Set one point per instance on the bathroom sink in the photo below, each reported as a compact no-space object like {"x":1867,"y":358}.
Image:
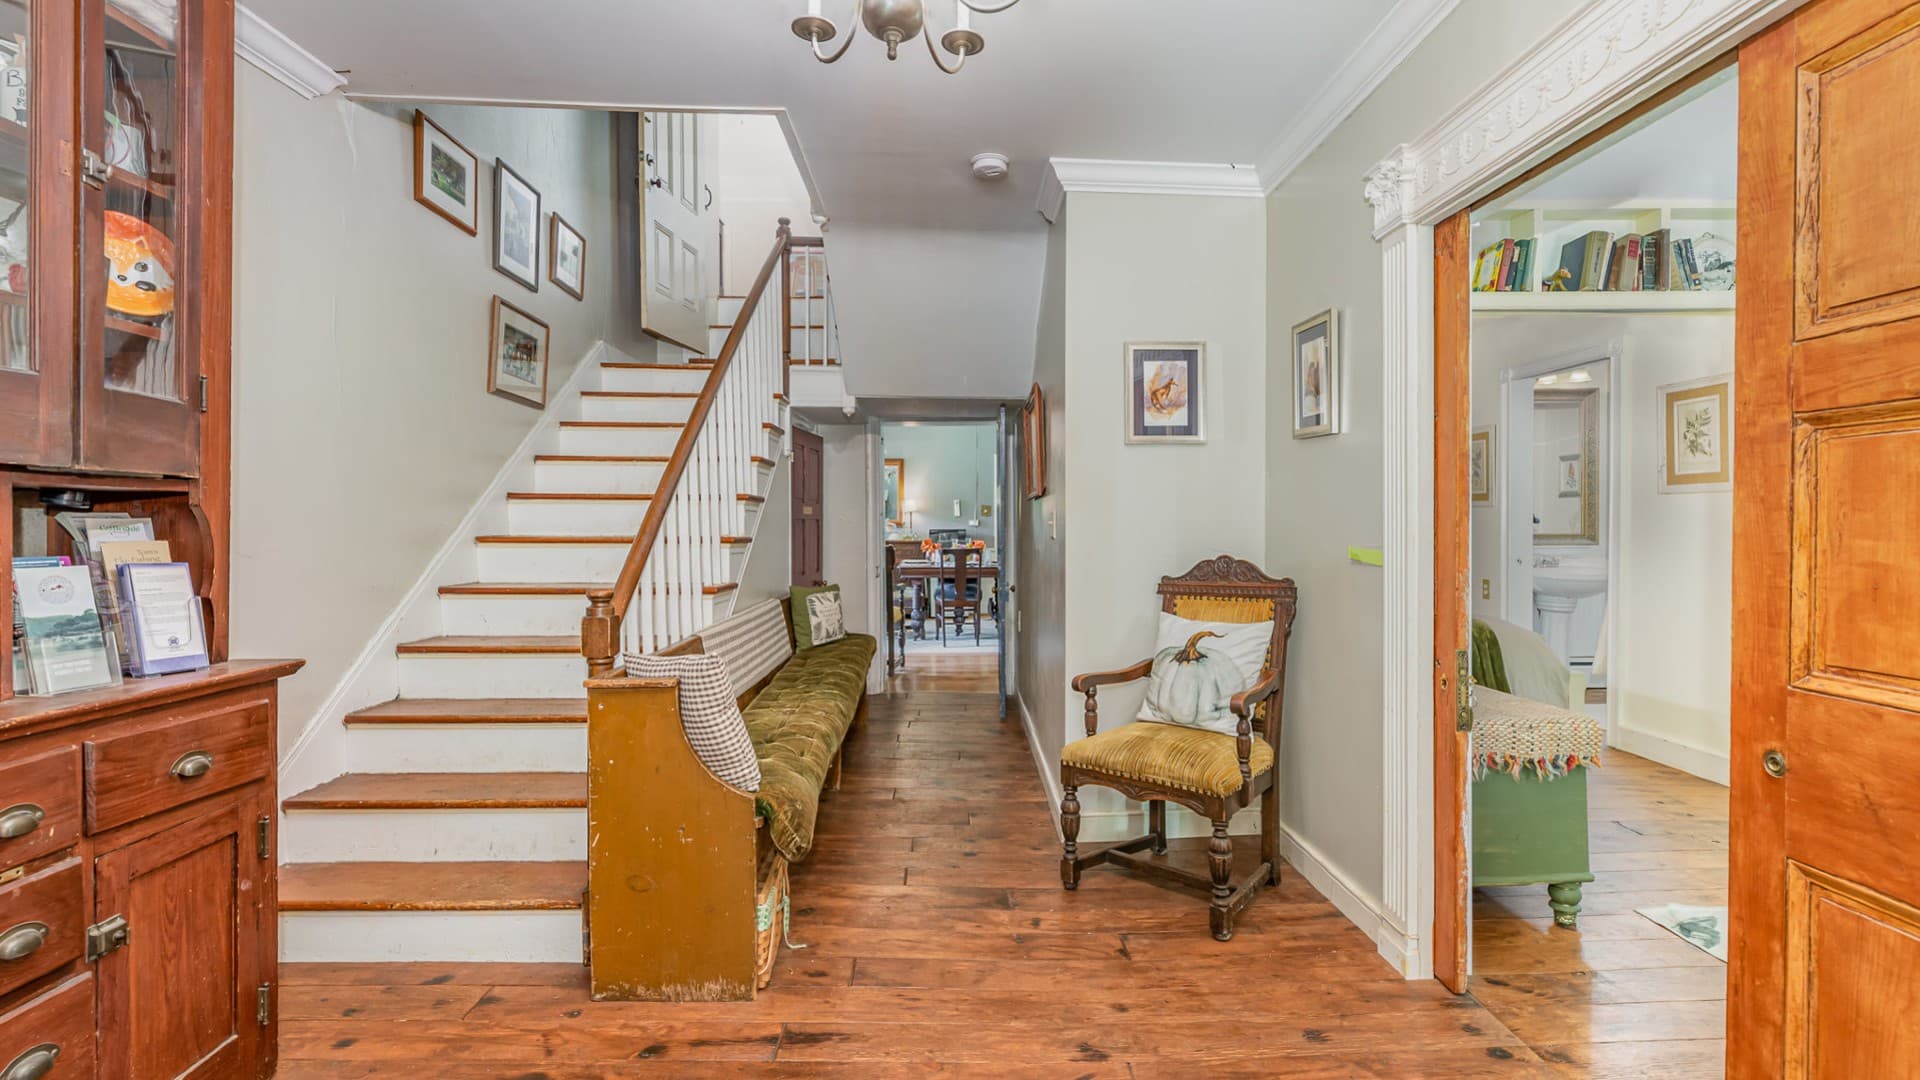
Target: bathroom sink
{"x":1571,"y":581}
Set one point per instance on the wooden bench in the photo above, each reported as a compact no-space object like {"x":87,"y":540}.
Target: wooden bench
{"x":676,"y":856}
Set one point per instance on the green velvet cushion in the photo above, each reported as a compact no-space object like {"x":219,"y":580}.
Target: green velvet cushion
{"x":797,"y":724}
{"x":805,"y":635}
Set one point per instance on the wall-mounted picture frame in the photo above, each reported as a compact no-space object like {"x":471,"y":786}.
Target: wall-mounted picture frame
{"x":1166,"y":391}
{"x":895,"y":493}
{"x":517,"y":355}
{"x":1316,"y":376}
{"x":1481,"y":448}
{"x":1033,"y":423}
{"x":566,"y":257}
{"x":1696,"y":451}
{"x":446,"y":175}
{"x":516,"y":226}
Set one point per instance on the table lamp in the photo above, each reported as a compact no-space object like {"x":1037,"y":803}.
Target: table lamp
{"x":909,"y":507}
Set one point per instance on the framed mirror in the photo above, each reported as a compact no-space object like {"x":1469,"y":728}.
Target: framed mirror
{"x":1566,"y":465}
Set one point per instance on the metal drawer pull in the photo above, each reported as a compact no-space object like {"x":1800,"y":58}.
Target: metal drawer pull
{"x":19,"y":821}
{"x":189,"y":765}
{"x":33,"y":1064}
{"x":22,"y":941}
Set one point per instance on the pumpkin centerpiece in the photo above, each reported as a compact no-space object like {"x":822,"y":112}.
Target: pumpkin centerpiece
{"x":1194,"y":686}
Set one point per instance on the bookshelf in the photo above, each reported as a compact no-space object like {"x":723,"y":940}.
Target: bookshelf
{"x":1552,"y":225}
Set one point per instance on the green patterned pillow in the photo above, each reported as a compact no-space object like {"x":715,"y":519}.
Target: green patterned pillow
{"x":817,"y":616}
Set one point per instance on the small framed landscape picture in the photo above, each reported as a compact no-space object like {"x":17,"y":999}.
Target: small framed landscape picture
{"x":517,"y":360}
{"x":1033,"y":421}
{"x":446,"y":175}
{"x":566,"y":257}
{"x":1697,"y":424}
{"x":1166,"y":400}
{"x":516,"y":226}
{"x":1480,"y":465}
{"x":1316,"y":377}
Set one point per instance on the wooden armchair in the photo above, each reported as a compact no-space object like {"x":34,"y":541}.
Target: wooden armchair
{"x":1212,"y":774}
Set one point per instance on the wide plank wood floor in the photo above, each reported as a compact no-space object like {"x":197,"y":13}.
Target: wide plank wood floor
{"x":932,"y":669}
{"x":1619,"y":995}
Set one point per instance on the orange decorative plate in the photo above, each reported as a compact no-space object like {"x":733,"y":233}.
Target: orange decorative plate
{"x":139,"y":268}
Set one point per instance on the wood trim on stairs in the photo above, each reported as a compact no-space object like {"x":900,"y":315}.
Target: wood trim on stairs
{"x":445,"y":791}
{"x":474,"y":711}
{"x":433,"y":886}
{"x":491,"y":644}
{"x":578,"y":496}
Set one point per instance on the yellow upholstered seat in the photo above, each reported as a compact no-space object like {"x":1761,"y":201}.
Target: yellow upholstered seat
{"x":1167,"y":755}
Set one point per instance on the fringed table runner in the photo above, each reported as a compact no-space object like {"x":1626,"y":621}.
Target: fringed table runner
{"x":1513,"y":735}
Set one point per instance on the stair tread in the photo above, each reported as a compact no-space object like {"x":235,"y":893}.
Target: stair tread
{"x":640,"y":393}
{"x":656,"y":425}
{"x":462,"y":644}
{"x":616,"y":459}
{"x":773,"y":427}
{"x":474,"y":711}
{"x":445,"y":791}
{"x":541,"y":538}
{"x":580,"y":496}
{"x":624,"y":365}
{"x":745,"y":498}
{"x":522,"y":588}
{"x":432,"y":886}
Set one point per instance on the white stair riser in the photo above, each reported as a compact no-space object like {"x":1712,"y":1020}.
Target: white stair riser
{"x":730,"y":308}
{"x":630,"y":477}
{"x":433,"y":835}
{"x":575,"y":517}
{"x":527,"y":937}
{"x":636,"y":409}
{"x":551,"y":562}
{"x":639,"y":442}
{"x":512,"y":613}
{"x":492,"y":675}
{"x":389,"y":748}
{"x":688,"y":380}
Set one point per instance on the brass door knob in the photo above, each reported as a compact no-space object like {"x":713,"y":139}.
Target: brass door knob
{"x":1775,"y":763}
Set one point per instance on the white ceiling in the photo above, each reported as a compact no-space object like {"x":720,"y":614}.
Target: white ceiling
{"x":888,"y":145}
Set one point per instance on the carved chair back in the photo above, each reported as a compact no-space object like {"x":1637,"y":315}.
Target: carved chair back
{"x":1226,"y":589}
{"x":955,"y":579}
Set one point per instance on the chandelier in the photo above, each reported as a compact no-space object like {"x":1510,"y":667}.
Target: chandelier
{"x":895,"y":21}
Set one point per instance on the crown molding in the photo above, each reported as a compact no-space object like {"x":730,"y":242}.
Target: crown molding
{"x":1605,"y":58}
{"x":1143,"y":178}
{"x":1404,"y":27}
{"x":259,"y":44}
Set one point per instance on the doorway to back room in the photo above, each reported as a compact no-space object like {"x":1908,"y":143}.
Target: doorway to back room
{"x":941,"y":508}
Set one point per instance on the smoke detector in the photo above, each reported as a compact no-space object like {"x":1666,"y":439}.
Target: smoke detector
{"x":990,"y":166}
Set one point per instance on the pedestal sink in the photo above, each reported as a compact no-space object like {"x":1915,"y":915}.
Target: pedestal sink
{"x":1557,"y":590}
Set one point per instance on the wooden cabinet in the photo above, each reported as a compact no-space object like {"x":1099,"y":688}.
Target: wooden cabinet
{"x":138,"y":925}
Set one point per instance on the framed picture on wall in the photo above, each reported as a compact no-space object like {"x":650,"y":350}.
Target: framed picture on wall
{"x":1316,"y":377}
{"x":1480,"y":463}
{"x":1696,"y":452}
{"x":446,"y":175}
{"x":566,"y":257}
{"x":895,"y":484}
{"x":516,"y":226}
{"x":1033,"y":424}
{"x":517,"y":355}
{"x":1165,"y":396}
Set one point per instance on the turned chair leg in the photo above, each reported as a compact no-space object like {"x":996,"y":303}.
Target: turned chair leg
{"x":1270,"y":832}
{"x":1157,"y":824}
{"x":1220,"y":861}
{"x":1070,"y":831}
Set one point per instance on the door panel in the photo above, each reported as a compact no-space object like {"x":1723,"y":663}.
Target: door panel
{"x":674,"y":161}
{"x":1826,"y":703}
{"x":808,"y":469}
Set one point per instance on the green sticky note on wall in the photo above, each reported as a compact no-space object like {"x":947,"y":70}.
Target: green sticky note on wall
{"x":1367,"y":556}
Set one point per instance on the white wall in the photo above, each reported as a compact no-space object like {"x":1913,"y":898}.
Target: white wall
{"x":1324,"y":494}
{"x":1039,"y":529}
{"x":850,"y":529}
{"x":363,"y":431}
{"x":769,"y":569}
{"x":945,"y":462}
{"x":759,"y":185}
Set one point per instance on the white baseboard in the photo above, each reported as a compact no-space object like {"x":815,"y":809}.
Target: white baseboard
{"x":1049,"y":771}
{"x":1348,"y":898}
{"x":1699,"y":761}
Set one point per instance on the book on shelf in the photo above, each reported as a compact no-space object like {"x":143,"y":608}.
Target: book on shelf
{"x":161,"y":616}
{"x":1504,"y":266}
{"x":1485,"y":266}
{"x":31,"y":561}
{"x":64,"y":643}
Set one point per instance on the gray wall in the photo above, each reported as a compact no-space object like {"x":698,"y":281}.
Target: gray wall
{"x":1040,"y":552}
{"x":945,"y":462}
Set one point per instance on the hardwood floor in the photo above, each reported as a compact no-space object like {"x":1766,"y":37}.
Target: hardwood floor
{"x":939,"y":943}
{"x":1620,"y":996}
{"x":932,"y":669}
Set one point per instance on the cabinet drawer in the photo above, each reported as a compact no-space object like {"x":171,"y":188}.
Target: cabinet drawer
{"x":58,"y":1025}
{"x":39,"y":805}
{"x":41,"y":924}
{"x":153,"y":767}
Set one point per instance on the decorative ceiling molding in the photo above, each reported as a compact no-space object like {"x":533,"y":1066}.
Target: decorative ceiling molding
{"x":1604,"y":59}
{"x":1143,"y":178}
{"x":1404,"y":27}
{"x":259,"y":44}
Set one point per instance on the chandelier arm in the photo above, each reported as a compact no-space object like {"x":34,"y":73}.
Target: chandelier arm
{"x":926,"y":34}
{"x":853,"y":28}
{"x":988,"y":9}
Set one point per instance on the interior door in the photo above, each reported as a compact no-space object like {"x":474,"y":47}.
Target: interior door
{"x":1825,"y":890}
{"x":675,"y":222}
{"x":808,"y":475}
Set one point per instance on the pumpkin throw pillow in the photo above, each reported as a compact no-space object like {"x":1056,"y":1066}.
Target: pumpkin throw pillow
{"x":1199,"y":666}
{"x":817,"y":616}
{"x":709,"y":714}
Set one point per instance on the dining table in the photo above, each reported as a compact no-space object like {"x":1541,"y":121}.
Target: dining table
{"x":916,"y":574}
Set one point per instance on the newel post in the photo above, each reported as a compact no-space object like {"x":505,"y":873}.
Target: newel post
{"x":600,"y":633}
{"x":785,"y":233}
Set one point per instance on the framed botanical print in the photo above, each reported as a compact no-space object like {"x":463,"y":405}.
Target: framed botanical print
{"x":895,"y":484}
{"x":1696,"y":452}
{"x":516,"y":226}
{"x":1480,"y":465}
{"x":1033,"y":422}
{"x":566,"y":257}
{"x":446,"y":175}
{"x":1316,"y":377}
{"x":1165,"y":393}
{"x":517,"y":357}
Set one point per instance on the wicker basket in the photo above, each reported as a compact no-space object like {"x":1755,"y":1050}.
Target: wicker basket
{"x":771,"y":909}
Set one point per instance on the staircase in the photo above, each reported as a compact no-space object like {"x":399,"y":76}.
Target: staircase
{"x":459,"y":832}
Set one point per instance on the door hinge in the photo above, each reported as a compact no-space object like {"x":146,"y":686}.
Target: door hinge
{"x":263,"y":1004}
{"x":203,"y":393}
{"x":105,"y":936}
{"x":263,"y":836}
{"x":1462,"y":691}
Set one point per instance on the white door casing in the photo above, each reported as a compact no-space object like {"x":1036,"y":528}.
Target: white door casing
{"x":679,"y":233}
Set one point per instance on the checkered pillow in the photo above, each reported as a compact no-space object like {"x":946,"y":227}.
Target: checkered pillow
{"x":708,"y":713}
